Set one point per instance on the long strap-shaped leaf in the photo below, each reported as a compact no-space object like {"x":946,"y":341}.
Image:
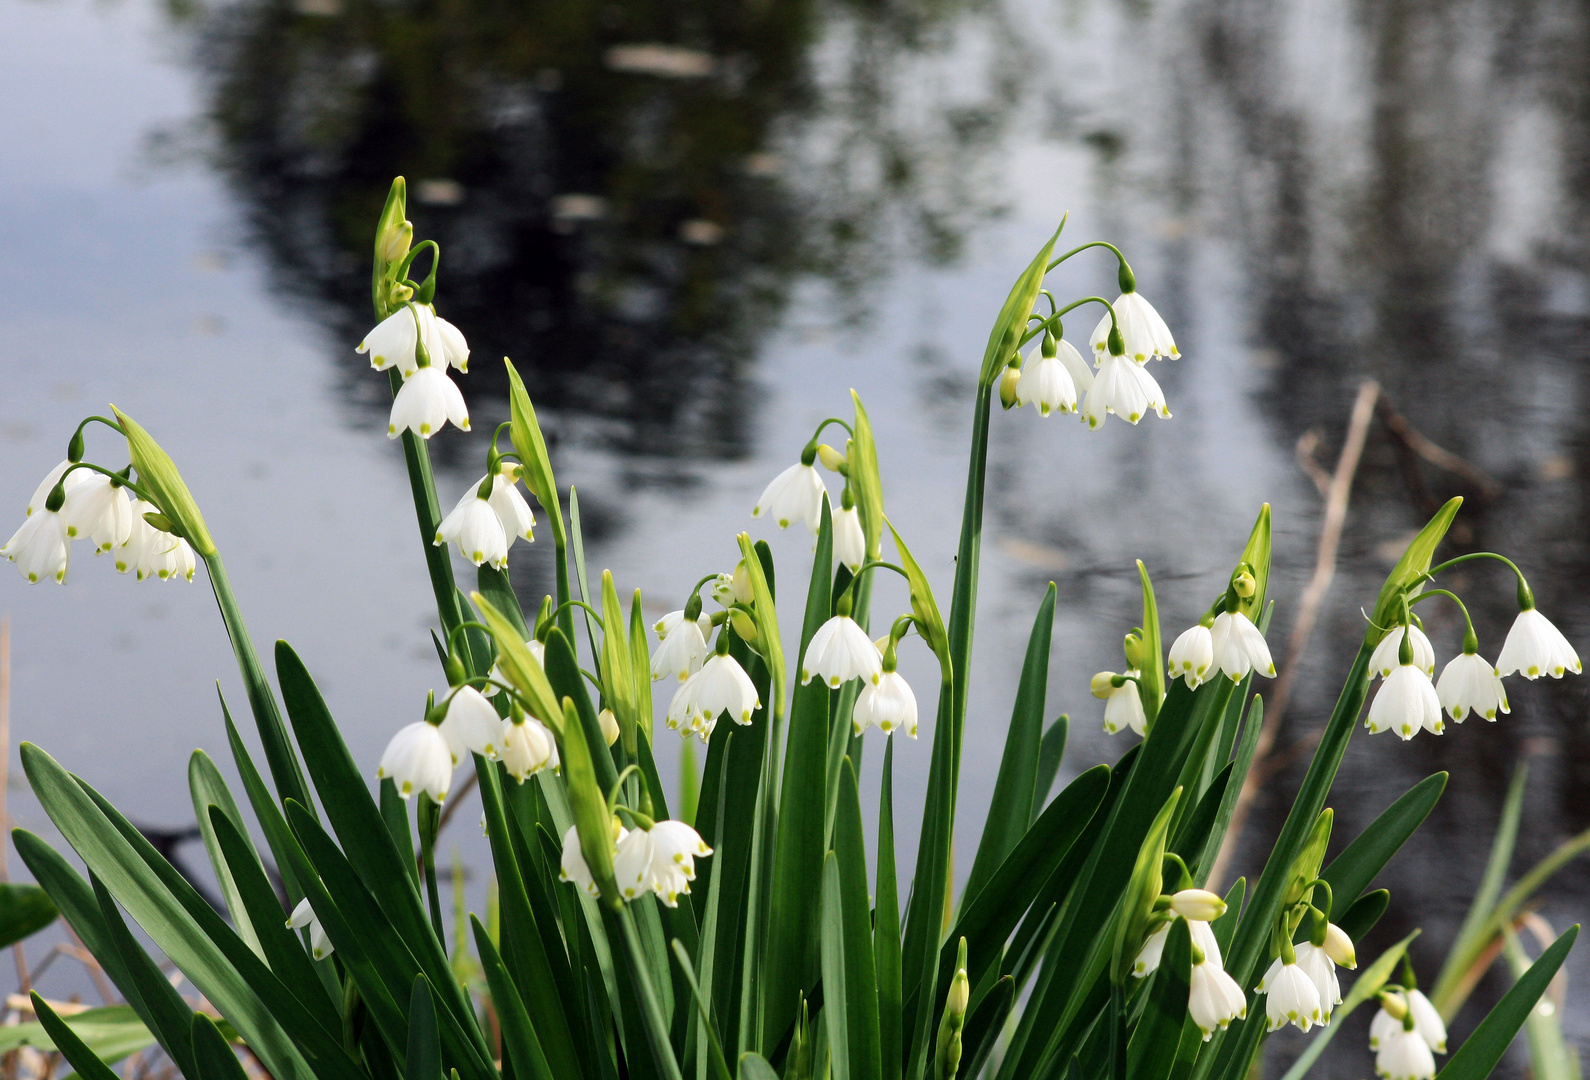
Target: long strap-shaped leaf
{"x":855,"y":924}
{"x":1481,"y":1051}
{"x":76,"y":1052}
{"x":886,"y":930}
{"x":1351,"y":872}
{"x":209,"y":789}
{"x":171,"y":1026}
{"x":217,"y":1060}
{"x":108,"y":853}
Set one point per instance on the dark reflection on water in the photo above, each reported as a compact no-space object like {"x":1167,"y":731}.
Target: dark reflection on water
{"x":1402,"y":189}
{"x":624,"y":192}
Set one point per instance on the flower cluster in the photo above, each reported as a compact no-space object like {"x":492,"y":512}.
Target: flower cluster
{"x":421,"y":757}
{"x":1408,"y":701}
{"x":1214,"y":999}
{"x":77,"y":501}
{"x":1054,"y":377}
{"x":659,"y":858}
{"x":489,"y":518}
{"x":422,"y":346}
{"x":1406,"y":1034}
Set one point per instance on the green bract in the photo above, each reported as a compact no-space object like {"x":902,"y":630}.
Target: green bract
{"x":737,"y":935}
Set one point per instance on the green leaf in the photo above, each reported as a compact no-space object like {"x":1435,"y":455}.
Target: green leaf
{"x":518,"y":665}
{"x":1225,"y":926}
{"x":984,"y":1025}
{"x":495,"y":586}
{"x":1050,"y":752}
{"x":1549,"y":1055}
{"x":424,"y":1060}
{"x":168,"y":1012}
{"x":793,"y":956}
{"x":861,"y":982}
{"x":1013,"y":314}
{"x":754,"y":1066}
{"x":158,"y":475}
{"x":720,"y":1067}
{"x":366,"y":843}
{"x":1257,"y":555}
{"x":57,"y":1034}
{"x":1016,"y":795}
{"x":1151,"y":681}
{"x":886,"y":928}
{"x":640,"y":664}
{"x":24,"y":911}
{"x":215,"y":1057}
{"x":1364,"y":914}
{"x":1152,"y":1052}
{"x":618,"y":680}
{"x":518,"y":1034}
{"x":1415,"y":561}
{"x":208,"y":789}
{"x":836,"y":991}
{"x":1481,"y":1051}
{"x":1252,"y":725}
{"x":1143,"y":888}
{"x":266,"y":812}
{"x":930,"y":624}
{"x":1351,"y":872}
{"x":109,"y":854}
{"x":525,"y":431}
{"x":865,"y":482}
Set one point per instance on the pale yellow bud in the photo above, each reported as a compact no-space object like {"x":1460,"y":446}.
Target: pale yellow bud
{"x":832,"y":459}
{"x":743,"y":625}
{"x":742,"y":591}
{"x":1395,"y":1004}
{"x":1101,"y":686}
{"x":1244,"y":584}
{"x":609,"y":724}
{"x":1339,"y":947}
{"x":960,"y":996}
{"x":1007,"y":387}
{"x":1198,"y":905}
{"x":395,"y":241}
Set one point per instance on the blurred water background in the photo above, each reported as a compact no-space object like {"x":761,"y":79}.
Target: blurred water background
{"x":694,"y":226}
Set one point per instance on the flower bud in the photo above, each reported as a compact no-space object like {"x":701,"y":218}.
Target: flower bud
{"x":1244,"y":584}
{"x":1199,"y":905}
{"x":454,"y":669}
{"x":394,"y":241}
{"x":1394,"y":1003}
{"x":743,"y":592}
{"x":832,"y":459}
{"x":1133,"y":647}
{"x":1339,"y":947}
{"x":609,"y":724}
{"x":1101,"y":685}
{"x":743,"y":625}
{"x":960,"y":996}
{"x":1007,"y":387}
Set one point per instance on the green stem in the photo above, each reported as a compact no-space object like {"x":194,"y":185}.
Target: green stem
{"x":279,"y":753}
{"x":963,"y":604}
{"x":656,"y":1029}
{"x":429,"y":820}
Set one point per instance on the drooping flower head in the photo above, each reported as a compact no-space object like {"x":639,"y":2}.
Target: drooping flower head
{"x":418,"y":759}
{"x":796,"y":494}
{"x":1384,"y":660}
{"x":887,"y":703}
{"x":471,"y":725}
{"x":527,"y":748}
{"x":839,"y":651}
{"x":1405,"y":702}
{"x":303,"y":915}
{"x":1470,"y":682}
{"x":473,"y":524}
{"x":1192,"y":654}
{"x":1534,"y":647}
{"x":427,"y":400}
{"x":1239,"y":647}
{"x":720,"y":686}
{"x":1291,"y":997}
{"x":1143,"y":332}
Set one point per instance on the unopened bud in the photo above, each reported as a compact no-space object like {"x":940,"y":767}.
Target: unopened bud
{"x":960,"y":996}
{"x":1244,"y":584}
{"x":159,"y":522}
{"x":1007,"y":387}
{"x":1394,"y":1003}
{"x":832,"y":459}
{"x":1198,"y":905}
{"x":74,"y":448}
{"x":394,"y":241}
{"x":609,"y":724}
{"x":1339,"y":947}
{"x":454,"y":669}
{"x":1102,"y":685}
{"x":723,"y":589}
{"x":1132,"y":646}
{"x":743,"y":593}
{"x":743,"y":625}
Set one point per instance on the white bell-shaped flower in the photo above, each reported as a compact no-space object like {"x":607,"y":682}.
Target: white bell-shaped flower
{"x":98,"y":508}
{"x":796,"y":494}
{"x":518,"y":521}
{"x":632,"y":864}
{"x":167,"y":557}
{"x":572,"y":866}
{"x":40,"y":548}
{"x":41,"y":494}
{"x":720,"y":686}
{"x":1203,"y":939}
{"x":1239,"y":647}
{"x":1382,"y":1027}
{"x":1384,"y":660}
{"x":1427,"y":1020}
{"x":1046,"y":383}
{"x":1124,"y":709}
{"x":527,"y":748}
{"x":850,"y":543}
{"x":1406,"y":702}
{"x":472,"y":725}
{"x":392,"y":341}
{"x":1470,"y":682}
{"x":675,"y":847}
{"x":1079,"y":369}
{"x":1319,"y":967}
{"x":454,"y":349}
{"x":665,"y":625}
{"x":477,"y":530}
{"x":1142,"y":330}
{"x":418,"y":759}
{"x":888,"y":703}
{"x":840,"y":651}
{"x":1117,"y":388}
{"x":1192,"y":654}
{"x":1291,"y":997}
{"x":682,"y":651}
{"x":427,"y":400}
{"x":303,"y":915}
{"x":1404,"y":1055}
{"x":1534,"y":647}
{"x":1214,"y":999}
